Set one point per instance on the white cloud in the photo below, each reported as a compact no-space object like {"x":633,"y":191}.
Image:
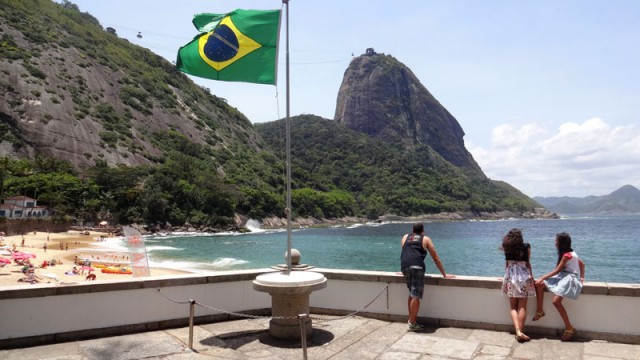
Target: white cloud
{"x":592,"y":158}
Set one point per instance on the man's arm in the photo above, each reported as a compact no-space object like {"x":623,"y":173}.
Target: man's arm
{"x":404,"y":238}
{"x":428,"y":244}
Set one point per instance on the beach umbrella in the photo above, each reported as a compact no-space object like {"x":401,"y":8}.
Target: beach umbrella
{"x":23,"y":255}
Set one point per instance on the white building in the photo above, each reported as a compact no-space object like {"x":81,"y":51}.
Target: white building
{"x":22,"y":207}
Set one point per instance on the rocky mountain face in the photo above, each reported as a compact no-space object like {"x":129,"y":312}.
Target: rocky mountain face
{"x":381,"y":97}
{"x":73,"y":91}
{"x":624,"y":200}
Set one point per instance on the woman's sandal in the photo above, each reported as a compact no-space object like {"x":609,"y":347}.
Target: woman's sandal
{"x":568,"y":334}
{"x":521,"y":337}
{"x":538,"y":315}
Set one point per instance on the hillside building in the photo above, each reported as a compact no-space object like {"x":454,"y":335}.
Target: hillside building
{"x":22,"y":207}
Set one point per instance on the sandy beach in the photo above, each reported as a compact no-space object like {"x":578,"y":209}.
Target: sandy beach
{"x":71,"y":241}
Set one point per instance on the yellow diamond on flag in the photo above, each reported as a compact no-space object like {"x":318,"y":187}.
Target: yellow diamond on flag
{"x":225,"y":45}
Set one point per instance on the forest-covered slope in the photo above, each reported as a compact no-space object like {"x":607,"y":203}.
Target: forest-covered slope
{"x":383,"y":177}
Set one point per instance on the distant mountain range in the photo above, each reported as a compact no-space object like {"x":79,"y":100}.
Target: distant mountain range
{"x":624,"y":200}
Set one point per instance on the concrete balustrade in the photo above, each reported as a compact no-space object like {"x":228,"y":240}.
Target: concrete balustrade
{"x":49,"y":313}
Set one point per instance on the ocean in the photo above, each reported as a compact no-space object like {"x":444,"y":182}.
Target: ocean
{"x":609,"y":246}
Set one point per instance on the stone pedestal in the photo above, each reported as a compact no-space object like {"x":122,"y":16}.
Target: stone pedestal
{"x":289,"y":298}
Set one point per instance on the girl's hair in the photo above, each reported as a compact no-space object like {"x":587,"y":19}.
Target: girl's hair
{"x":564,"y":244}
{"x":513,"y":244}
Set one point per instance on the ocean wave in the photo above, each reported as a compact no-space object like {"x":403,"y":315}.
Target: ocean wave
{"x":194,"y":267}
{"x":161,"y":247}
{"x":116,"y":244}
{"x":227,"y":262}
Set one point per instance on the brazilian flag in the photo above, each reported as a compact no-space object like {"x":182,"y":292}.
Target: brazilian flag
{"x":239,"y":46}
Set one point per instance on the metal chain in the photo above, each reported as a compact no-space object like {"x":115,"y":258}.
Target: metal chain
{"x":247,"y":315}
{"x":173,"y":300}
{"x":386,"y":288}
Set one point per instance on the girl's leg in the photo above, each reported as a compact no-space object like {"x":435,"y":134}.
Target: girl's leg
{"x":515,"y":318}
{"x":522,"y":314}
{"x":557,"y":302}
{"x":539,"y":301}
{"x":513,"y":304}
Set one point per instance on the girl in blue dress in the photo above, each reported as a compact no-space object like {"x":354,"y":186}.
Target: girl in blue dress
{"x":564,"y":281}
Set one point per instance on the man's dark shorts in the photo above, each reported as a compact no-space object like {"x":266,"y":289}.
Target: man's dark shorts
{"x":414,"y":276}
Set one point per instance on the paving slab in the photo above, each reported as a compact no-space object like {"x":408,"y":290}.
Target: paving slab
{"x":498,"y":338}
{"x":495,"y":350}
{"x":136,"y":346}
{"x":490,"y":357}
{"x":450,"y":333}
{"x":374,"y":344}
{"x":70,"y":350}
{"x":202,"y":339}
{"x":557,"y":350}
{"x":399,"y":355}
{"x":427,"y":344}
{"x":620,"y":351}
{"x":231,"y":328}
{"x":186,"y":356}
{"x":531,"y":350}
{"x":365,"y":327}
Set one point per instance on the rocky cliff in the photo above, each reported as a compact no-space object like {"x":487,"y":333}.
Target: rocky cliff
{"x":381,"y":97}
{"x":73,"y":91}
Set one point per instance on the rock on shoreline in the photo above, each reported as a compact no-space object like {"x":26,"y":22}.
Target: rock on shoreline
{"x":278,"y":222}
{"x":538,"y":213}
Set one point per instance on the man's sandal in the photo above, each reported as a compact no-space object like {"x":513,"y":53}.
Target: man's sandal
{"x":568,"y":334}
{"x":538,"y":315}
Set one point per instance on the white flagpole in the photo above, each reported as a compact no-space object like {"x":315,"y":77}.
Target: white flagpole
{"x":288,"y":146}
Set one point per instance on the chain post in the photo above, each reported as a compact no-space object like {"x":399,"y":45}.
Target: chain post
{"x":192,"y":305}
{"x":303,"y":334}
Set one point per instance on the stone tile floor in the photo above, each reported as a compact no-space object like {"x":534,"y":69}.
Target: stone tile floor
{"x":342,"y":338}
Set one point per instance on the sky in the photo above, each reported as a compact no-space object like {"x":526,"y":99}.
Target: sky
{"x":547,"y":92}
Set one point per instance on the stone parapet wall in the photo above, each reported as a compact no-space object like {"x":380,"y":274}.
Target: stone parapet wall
{"x":49,"y":313}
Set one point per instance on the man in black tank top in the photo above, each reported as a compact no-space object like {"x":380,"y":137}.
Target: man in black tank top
{"x":414,"y":250}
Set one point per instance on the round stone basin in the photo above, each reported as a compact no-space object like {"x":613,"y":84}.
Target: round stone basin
{"x":294,"y":282}
{"x":289,"y":298}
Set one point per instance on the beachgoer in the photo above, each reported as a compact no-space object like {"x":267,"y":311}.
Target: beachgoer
{"x":518,"y":283}
{"x":563,"y":282}
{"x":22,"y":243}
{"x":45,"y":247}
{"x":91,"y":276}
{"x":414,"y":250}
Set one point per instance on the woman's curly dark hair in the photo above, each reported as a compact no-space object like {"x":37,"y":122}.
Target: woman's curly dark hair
{"x":513,"y":245}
